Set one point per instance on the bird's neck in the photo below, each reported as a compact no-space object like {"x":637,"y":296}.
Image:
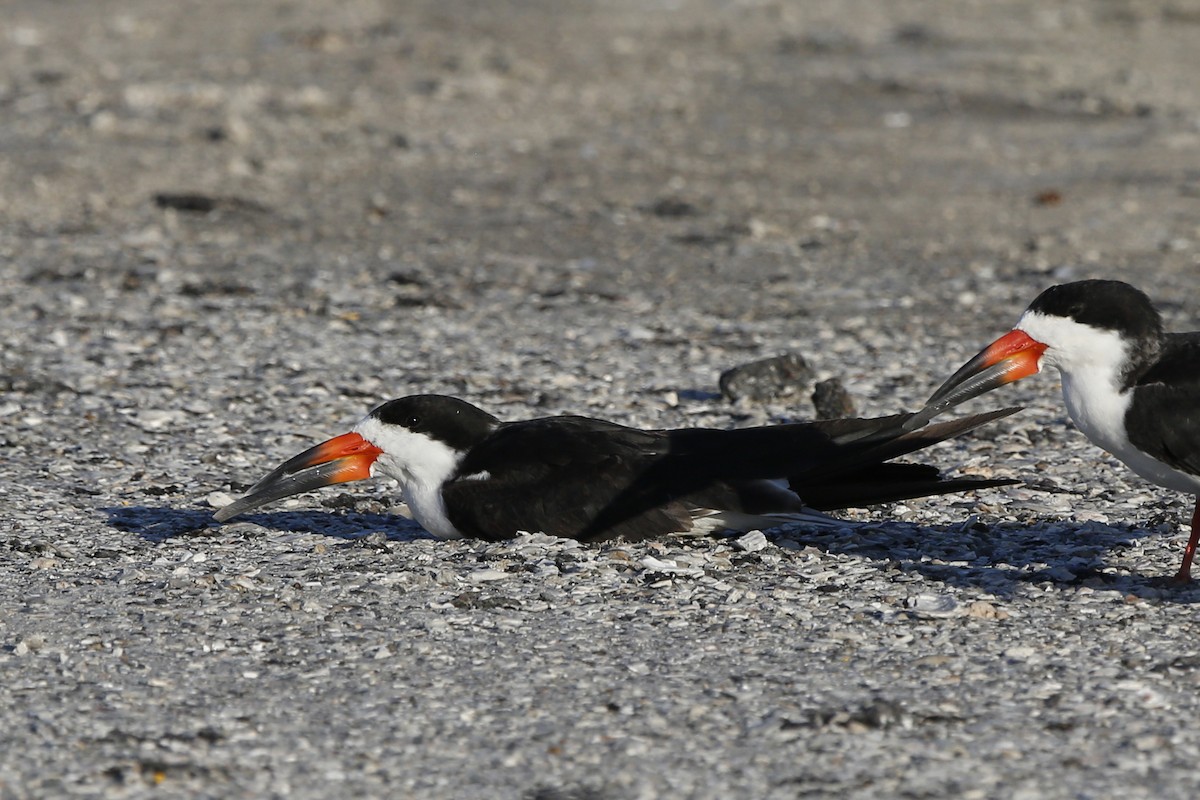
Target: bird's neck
{"x":1097,"y":403}
{"x":428,"y":507}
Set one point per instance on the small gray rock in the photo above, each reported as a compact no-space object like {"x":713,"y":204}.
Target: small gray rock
{"x":769,"y":379}
{"x":832,"y":400}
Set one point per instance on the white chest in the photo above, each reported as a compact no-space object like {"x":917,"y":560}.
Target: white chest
{"x":429,"y":508}
{"x":1099,"y":412}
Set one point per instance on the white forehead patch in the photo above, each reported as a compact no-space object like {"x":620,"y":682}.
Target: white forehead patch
{"x":409,"y":456}
{"x":1076,"y":348}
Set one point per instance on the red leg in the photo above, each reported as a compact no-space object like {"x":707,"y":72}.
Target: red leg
{"x":1185,"y":570}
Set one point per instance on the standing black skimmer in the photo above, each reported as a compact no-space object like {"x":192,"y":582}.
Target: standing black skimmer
{"x":1132,"y":389}
{"x":464,"y":473}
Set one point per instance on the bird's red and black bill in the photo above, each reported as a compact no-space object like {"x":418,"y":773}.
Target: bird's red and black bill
{"x":341,"y":459}
{"x":1013,"y":356}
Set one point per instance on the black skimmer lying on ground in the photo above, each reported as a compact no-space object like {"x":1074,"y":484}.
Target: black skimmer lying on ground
{"x":464,"y":473}
{"x":1131,"y":389}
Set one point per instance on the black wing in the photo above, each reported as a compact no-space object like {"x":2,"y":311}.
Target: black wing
{"x":589,"y":479}
{"x":1172,"y":385}
{"x":858,"y":475}
{"x":829,"y":464}
{"x":575,"y":477}
{"x":886,"y":483}
{"x":809,"y":453}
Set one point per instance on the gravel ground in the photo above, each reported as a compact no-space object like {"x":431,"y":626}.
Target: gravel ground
{"x":228,"y":229}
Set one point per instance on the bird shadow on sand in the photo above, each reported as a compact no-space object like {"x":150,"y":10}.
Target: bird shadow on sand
{"x":1007,"y":558}
{"x":1021,"y":556}
{"x":163,"y":523}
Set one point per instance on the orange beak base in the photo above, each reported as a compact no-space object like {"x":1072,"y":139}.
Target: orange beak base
{"x":344,"y":458}
{"x":1013,"y":356}
{"x":351,"y":451}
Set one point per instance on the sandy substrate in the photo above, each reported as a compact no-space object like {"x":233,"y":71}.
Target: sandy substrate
{"x":229,"y":229}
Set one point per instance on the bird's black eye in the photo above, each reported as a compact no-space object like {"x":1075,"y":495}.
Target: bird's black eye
{"x":412,"y":421}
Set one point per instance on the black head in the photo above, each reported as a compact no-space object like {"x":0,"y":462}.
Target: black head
{"x":1108,"y":305}
{"x":447,"y":419}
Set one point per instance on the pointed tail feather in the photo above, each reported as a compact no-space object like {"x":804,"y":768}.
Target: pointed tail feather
{"x":834,"y":496}
{"x":855,"y":458}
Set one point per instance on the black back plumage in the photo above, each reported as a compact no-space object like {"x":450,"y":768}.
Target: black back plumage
{"x":592,"y":480}
{"x":1171,"y":383}
{"x":557,"y":475}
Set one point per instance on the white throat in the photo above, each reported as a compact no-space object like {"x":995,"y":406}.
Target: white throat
{"x":1091,"y":361}
{"x":421,"y":465}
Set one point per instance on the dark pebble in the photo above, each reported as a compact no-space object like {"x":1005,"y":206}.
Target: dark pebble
{"x":832,"y":400}
{"x":768,"y":379}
